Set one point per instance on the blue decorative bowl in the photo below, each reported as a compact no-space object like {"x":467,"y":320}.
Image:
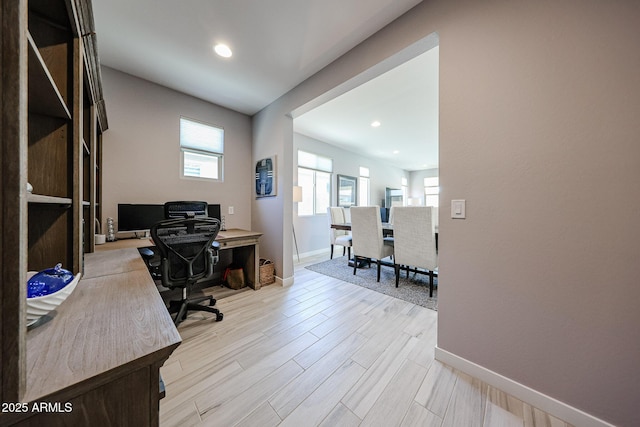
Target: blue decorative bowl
{"x":48,"y":289}
{"x":48,"y":281}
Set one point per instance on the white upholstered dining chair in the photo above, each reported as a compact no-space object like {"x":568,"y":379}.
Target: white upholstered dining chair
{"x":342,"y":238}
{"x":367,"y":240}
{"x":415,"y":243}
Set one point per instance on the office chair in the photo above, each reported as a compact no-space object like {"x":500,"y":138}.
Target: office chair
{"x":188,"y":253}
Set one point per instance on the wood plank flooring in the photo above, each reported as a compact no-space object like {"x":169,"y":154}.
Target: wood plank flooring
{"x":325,"y":353}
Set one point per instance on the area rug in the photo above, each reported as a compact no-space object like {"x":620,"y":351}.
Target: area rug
{"x":414,"y":289}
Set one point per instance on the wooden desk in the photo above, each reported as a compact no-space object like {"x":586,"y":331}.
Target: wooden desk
{"x":102,"y":349}
{"x":246,"y":251}
{"x":243,"y":243}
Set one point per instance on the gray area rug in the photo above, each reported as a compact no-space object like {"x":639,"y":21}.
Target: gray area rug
{"x":414,"y":289}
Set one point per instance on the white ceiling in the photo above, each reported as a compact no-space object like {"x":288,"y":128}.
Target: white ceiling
{"x":277,"y":44}
{"x":405,"y":102}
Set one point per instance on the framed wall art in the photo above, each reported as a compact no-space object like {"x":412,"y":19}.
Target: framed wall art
{"x":266,"y":177}
{"x":347,"y":191}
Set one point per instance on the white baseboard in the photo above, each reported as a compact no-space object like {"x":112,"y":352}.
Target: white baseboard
{"x":284,"y":282}
{"x":312,"y":253}
{"x":534,"y":398}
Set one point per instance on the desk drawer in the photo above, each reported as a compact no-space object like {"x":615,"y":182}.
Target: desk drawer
{"x":237,"y":243}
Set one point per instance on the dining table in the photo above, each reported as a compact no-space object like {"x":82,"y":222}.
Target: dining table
{"x":387,"y":229}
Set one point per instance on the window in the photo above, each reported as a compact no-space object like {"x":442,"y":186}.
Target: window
{"x":431,"y":191}
{"x":314,"y":176}
{"x":364,"y":187}
{"x":202,"y":149}
{"x":405,"y":191}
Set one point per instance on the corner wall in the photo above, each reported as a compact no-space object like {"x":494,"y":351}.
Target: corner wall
{"x":539,"y":133}
{"x":141,"y":149}
{"x":539,"y":106}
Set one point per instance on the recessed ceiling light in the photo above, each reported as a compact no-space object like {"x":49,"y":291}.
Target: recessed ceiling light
{"x":395,"y":151}
{"x":223,"y":50}
{"x":375,"y":124}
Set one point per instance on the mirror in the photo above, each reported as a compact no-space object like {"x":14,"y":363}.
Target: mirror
{"x":347,"y":191}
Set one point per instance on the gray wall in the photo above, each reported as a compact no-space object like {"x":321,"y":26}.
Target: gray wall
{"x":141,"y":150}
{"x":539,"y":105}
{"x":312,"y":232}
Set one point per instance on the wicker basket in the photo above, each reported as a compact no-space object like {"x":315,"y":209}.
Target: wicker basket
{"x":267,"y":272}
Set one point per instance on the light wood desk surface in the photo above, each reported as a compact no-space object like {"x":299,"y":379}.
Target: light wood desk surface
{"x":244,"y":243}
{"x":113,"y":325}
{"x":231,"y":237}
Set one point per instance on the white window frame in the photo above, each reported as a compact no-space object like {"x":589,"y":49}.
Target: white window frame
{"x":431,"y":191}
{"x":405,"y":191}
{"x":317,"y":165}
{"x":207,"y":144}
{"x":364,"y":192}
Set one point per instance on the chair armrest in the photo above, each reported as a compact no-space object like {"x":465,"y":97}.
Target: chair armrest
{"x":216,"y":250}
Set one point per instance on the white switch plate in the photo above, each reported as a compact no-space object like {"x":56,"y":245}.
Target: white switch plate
{"x":458,"y":209}
{"x":231,"y":210}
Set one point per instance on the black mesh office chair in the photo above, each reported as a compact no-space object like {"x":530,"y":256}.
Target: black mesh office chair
{"x":188,"y":253}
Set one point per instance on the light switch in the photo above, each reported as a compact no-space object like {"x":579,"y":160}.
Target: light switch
{"x":458,"y":209}
{"x":231,"y":210}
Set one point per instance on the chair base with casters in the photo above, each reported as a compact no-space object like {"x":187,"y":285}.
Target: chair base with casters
{"x":181,"y":307}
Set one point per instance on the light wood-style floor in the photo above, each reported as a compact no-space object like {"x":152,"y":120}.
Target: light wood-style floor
{"x":329,"y":353}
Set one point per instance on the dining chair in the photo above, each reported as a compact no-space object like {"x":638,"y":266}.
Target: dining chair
{"x":415,"y":244}
{"x":368,"y":242}
{"x":337,"y":215}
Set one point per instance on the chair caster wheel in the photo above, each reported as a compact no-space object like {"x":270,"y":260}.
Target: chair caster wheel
{"x":219,"y":317}
{"x":212,"y":302}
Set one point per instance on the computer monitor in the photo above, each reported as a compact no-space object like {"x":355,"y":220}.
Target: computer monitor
{"x":214,"y":212}
{"x":136,"y":218}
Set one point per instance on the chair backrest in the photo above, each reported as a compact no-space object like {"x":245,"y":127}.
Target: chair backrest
{"x":186,"y":250}
{"x":366,"y":229}
{"x":414,"y":240}
{"x":336,"y":215}
{"x":182,"y":209}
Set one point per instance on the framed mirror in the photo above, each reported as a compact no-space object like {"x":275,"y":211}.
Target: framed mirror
{"x":347,"y":191}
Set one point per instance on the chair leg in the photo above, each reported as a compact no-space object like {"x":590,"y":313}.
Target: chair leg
{"x":198,"y":307}
{"x":349,"y":252}
{"x":182,"y":307}
{"x":331,"y":252}
{"x":378,"y":263}
{"x":181,"y":314}
{"x":212,"y":301}
{"x":396,"y":267}
{"x":344,"y":250}
{"x":430,"y":284}
{"x":355,"y":264}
